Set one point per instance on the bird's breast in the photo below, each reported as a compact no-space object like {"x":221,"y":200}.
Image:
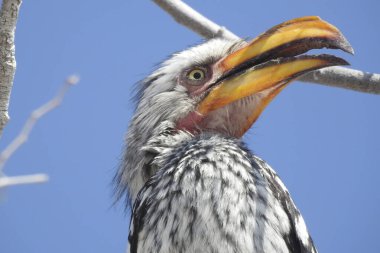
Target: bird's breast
{"x":210,"y":197}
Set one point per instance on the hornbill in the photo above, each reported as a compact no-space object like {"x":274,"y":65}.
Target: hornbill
{"x":194,"y":185}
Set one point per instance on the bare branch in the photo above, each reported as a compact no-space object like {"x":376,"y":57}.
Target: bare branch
{"x":345,"y":78}
{"x":187,"y":16}
{"x":334,"y":76}
{"x":24,"y":134}
{"x":28,"y":179}
{"x":8,"y":20}
{"x":34,"y":116}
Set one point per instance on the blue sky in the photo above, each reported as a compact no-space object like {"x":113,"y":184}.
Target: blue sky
{"x":324,"y":142}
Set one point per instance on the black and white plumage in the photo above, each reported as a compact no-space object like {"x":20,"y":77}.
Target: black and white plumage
{"x":226,"y":200}
{"x":194,"y":185}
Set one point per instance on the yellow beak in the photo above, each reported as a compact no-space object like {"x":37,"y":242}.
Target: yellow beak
{"x":271,"y":61}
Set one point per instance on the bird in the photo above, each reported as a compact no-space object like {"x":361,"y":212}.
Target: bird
{"x":193,"y":184}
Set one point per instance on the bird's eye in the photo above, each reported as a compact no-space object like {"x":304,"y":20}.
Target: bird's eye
{"x":197,"y":74}
{"x":195,"y":77}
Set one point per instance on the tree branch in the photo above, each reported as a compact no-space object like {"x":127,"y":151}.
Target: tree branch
{"x":333,"y":76}
{"x":27,"y":179}
{"x":351,"y":79}
{"x":24,"y":135}
{"x":187,"y":16}
{"x":8,"y":20}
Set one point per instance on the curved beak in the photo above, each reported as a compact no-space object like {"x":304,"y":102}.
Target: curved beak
{"x":268,"y":63}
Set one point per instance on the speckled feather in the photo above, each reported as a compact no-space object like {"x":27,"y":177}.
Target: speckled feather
{"x":212,"y":195}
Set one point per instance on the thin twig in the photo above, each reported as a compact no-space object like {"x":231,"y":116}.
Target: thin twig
{"x":8,"y":20}
{"x":334,"y":76}
{"x":31,"y":121}
{"x":27,"y":179}
{"x":34,"y":116}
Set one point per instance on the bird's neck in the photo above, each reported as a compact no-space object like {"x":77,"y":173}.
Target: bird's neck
{"x":144,"y":155}
{"x":160,"y":146}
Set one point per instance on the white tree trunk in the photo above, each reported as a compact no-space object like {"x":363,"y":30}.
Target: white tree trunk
{"x":8,"y":20}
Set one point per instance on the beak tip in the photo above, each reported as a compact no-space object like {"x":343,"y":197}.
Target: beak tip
{"x":343,"y":62}
{"x":345,"y":45}
{"x":334,"y":61}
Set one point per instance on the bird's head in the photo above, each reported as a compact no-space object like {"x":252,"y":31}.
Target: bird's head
{"x":221,"y":87}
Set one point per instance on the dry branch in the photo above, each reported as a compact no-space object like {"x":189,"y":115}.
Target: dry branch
{"x":8,"y":20}
{"x":24,"y":135}
{"x":187,"y":16}
{"x":333,"y":76}
{"x":27,"y":179}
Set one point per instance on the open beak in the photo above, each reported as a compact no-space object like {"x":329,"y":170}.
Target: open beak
{"x":269,"y":62}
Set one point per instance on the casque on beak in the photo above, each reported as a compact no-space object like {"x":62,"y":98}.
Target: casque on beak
{"x":270,"y":61}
